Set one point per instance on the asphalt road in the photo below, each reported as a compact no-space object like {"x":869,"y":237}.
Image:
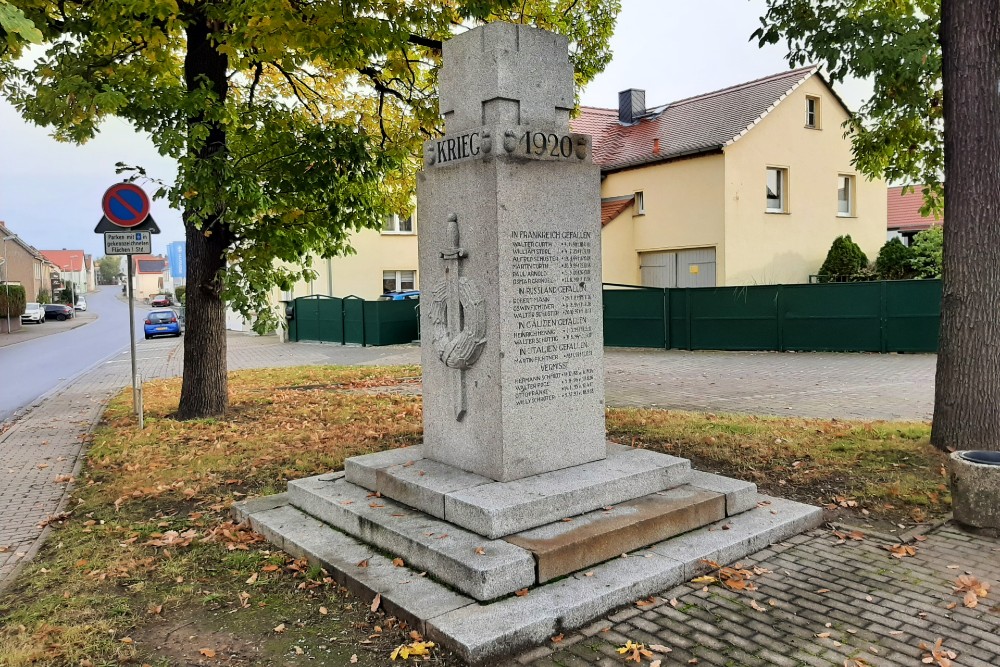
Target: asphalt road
{"x":34,"y":367}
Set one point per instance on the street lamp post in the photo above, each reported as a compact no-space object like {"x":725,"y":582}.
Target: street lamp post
{"x":72,"y":285}
{"x":6,"y":278}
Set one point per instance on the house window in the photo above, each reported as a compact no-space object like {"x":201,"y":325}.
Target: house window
{"x":394,"y":224}
{"x":845,"y":196}
{"x":777,"y":185}
{"x":395,"y":281}
{"x":812,"y":112}
{"x":640,"y":203}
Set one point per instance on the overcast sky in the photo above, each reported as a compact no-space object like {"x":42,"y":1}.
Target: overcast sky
{"x":50,"y":192}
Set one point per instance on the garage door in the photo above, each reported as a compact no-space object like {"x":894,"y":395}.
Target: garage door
{"x":678,"y":268}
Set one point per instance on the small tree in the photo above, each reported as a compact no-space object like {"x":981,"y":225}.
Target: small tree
{"x":845,"y":260}
{"x":108,"y":268}
{"x":928,"y":252}
{"x":179,"y":292}
{"x":893,"y":261}
{"x":44,"y":296}
{"x":65,"y":295}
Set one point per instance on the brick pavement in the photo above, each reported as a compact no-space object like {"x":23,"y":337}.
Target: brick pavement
{"x":864,"y":602}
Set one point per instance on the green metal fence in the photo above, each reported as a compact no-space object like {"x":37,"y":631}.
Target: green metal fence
{"x":353,"y":320}
{"x":884,"y":316}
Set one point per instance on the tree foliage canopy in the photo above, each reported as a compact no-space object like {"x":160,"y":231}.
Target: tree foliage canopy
{"x":321,"y":114}
{"x":899,"y":132}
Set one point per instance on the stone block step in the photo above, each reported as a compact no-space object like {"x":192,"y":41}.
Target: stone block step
{"x":484,"y":633}
{"x":496,"y":509}
{"x":567,"y":546}
{"x":444,"y":550}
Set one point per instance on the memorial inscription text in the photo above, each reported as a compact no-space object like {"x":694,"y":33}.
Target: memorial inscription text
{"x":552,"y":313}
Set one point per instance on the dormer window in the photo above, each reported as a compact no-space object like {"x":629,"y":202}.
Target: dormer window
{"x":812,"y":112}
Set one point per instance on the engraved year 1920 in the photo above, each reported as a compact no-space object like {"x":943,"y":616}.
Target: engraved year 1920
{"x":547,"y":144}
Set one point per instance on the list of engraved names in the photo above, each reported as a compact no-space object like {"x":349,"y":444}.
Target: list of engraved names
{"x":553,"y":307}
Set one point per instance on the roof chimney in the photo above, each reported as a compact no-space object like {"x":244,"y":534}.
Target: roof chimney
{"x":631,"y":105}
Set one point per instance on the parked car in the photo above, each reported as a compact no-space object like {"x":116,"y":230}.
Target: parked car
{"x":33,"y":312}
{"x":81,"y":303}
{"x":58,"y":311}
{"x":400,"y":295}
{"x":160,"y":300}
{"x":162,"y":323}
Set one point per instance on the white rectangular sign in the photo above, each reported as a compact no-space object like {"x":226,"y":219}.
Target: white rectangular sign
{"x":128,"y":243}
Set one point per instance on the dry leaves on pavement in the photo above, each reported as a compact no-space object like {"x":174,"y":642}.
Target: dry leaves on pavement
{"x":902,"y":550}
{"x":937,"y":654}
{"x":971,"y":589}
{"x":634,"y":652}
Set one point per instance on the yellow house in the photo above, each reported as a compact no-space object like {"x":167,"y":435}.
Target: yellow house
{"x":743,"y":186}
{"x":385,"y":261}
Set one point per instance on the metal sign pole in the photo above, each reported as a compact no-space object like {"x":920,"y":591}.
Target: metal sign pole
{"x":131,"y":334}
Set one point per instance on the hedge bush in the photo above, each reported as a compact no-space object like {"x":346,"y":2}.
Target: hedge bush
{"x":894,"y":261}
{"x":846,"y":260}
{"x":12,"y":300}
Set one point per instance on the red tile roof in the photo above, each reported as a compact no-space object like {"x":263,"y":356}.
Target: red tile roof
{"x":65,"y":260}
{"x":612,"y":208}
{"x":903,"y":211}
{"x":700,"y":124}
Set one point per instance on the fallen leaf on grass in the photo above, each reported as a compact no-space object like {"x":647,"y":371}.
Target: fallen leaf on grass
{"x":323,"y":611}
{"x":155,"y":609}
{"x":207,"y":652}
{"x":280,"y":628}
{"x":252,"y":579}
{"x":418,"y":648}
{"x":125,"y":640}
{"x":354,"y":658}
{"x":270,"y":568}
{"x":634,"y":652}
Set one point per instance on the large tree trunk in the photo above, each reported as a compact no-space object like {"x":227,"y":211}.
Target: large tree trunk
{"x":205,"y":389}
{"x":967,"y":394}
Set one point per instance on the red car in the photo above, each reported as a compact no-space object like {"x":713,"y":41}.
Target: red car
{"x":161,"y":300}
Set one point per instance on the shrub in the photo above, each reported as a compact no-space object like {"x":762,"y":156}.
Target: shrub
{"x":181,"y":289}
{"x":44,"y":296}
{"x":893,"y":261}
{"x":12,"y":300}
{"x":845,"y":261}
{"x":927,"y":249}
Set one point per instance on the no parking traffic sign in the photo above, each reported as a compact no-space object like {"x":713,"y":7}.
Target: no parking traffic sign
{"x":125,"y":204}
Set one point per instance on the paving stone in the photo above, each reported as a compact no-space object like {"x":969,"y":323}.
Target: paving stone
{"x":564,"y":547}
{"x":427,"y":543}
{"x":503,"y":508}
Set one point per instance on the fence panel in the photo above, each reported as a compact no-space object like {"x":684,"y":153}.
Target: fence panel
{"x":832,"y":317}
{"x":354,"y":320}
{"x":634,"y":318}
{"x":913,"y":315}
{"x":734,"y":318}
{"x":391,"y":322}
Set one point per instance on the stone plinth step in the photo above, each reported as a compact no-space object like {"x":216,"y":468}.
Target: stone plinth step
{"x":483,"y":633}
{"x":567,"y":546}
{"x":444,"y":550}
{"x":496,"y":509}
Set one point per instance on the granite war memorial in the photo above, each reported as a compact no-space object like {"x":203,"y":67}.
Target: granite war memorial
{"x":513,"y":516}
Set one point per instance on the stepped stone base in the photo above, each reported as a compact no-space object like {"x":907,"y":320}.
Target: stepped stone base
{"x":483,"y":632}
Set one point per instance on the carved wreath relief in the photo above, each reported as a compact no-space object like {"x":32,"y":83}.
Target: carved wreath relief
{"x":458,"y":318}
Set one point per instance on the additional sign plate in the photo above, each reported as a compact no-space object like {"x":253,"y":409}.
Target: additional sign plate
{"x":125,"y":204}
{"x":128,"y":243}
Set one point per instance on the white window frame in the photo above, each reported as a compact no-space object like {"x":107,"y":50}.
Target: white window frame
{"x":639,"y":203}
{"x":814,"y":125}
{"x":782,"y":190}
{"x":852,"y":195}
{"x":397,"y":276}
{"x":391,"y":225}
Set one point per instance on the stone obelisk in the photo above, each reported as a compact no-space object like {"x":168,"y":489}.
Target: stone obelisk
{"x":510,"y":263}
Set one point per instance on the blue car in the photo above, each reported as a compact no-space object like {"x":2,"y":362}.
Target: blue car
{"x":400,"y":295}
{"x":162,"y":322}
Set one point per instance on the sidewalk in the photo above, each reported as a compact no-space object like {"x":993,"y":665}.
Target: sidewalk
{"x":33,"y":331}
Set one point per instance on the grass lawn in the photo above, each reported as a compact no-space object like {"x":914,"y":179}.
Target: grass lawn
{"x":148,"y":568}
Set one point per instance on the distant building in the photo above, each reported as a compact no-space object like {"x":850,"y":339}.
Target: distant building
{"x":741,"y":186}
{"x":72,"y":266}
{"x":903,"y":219}
{"x":23,"y":264}
{"x":177,"y":259}
{"x":150,"y":275}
